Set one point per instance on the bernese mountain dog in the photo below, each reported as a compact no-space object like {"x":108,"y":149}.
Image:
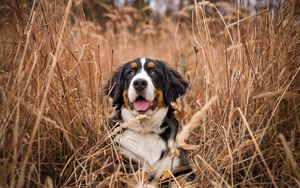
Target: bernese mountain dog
{"x":146,"y":86}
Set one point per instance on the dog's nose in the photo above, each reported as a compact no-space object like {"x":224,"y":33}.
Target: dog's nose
{"x":140,"y":84}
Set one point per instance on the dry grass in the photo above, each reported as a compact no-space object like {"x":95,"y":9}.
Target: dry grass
{"x":53,"y":114}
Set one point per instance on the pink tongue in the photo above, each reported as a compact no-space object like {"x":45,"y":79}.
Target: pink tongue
{"x":141,"y":105}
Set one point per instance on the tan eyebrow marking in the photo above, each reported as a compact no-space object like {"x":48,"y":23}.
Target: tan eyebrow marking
{"x":150,"y":65}
{"x":133,"y":65}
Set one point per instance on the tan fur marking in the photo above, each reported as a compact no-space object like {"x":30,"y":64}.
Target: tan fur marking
{"x":133,"y":65}
{"x":125,"y":97}
{"x":150,"y":65}
{"x":182,"y":182}
{"x":160,"y":98}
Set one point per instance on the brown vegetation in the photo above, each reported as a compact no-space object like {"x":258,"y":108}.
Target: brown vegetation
{"x":53,"y":113}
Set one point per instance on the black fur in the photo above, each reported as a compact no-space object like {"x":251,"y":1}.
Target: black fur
{"x":114,"y":86}
{"x":175,"y":84}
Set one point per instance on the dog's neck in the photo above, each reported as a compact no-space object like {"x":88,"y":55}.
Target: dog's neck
{"x":153,"y":124}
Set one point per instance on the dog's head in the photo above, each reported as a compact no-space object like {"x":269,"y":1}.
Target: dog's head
{"x":144,"y":85}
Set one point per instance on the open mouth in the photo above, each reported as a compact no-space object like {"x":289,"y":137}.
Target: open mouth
{"x":141,"y":104}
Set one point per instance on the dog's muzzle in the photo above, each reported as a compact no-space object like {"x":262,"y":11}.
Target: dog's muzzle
{"x":141,"y":104}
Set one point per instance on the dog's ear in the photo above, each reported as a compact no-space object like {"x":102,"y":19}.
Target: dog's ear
{"x":175,"y":85}
{"x":114,"y":86}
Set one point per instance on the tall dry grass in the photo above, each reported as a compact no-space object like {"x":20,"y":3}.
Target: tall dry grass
{"x":53,"y":129}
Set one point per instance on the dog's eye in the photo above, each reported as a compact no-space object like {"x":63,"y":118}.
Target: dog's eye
{"x":153,"y":72}
{"x":130,"y":73}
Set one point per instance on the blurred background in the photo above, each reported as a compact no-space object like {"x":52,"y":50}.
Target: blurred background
{"x":56,"y":56}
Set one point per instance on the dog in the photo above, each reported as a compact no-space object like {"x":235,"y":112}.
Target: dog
{"x":147,"y":87}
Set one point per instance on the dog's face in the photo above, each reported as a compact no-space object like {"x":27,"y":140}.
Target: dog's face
{"x":144,"y":85}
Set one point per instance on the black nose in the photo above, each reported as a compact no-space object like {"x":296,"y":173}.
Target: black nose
{"x":140,"y":84}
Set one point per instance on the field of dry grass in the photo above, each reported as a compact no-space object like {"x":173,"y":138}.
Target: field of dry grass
{"x":53,"y":114}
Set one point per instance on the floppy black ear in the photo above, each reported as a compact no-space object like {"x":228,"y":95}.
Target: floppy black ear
{"x":175,"y":85}
{"x":114,"y":87}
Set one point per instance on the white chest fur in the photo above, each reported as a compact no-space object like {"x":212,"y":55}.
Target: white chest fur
{"x":148,"y":146}
{"x":150,"y":125}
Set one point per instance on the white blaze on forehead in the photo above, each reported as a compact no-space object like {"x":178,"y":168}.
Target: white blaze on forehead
{"x":143,"y":61}
{"x":149,"y":90}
